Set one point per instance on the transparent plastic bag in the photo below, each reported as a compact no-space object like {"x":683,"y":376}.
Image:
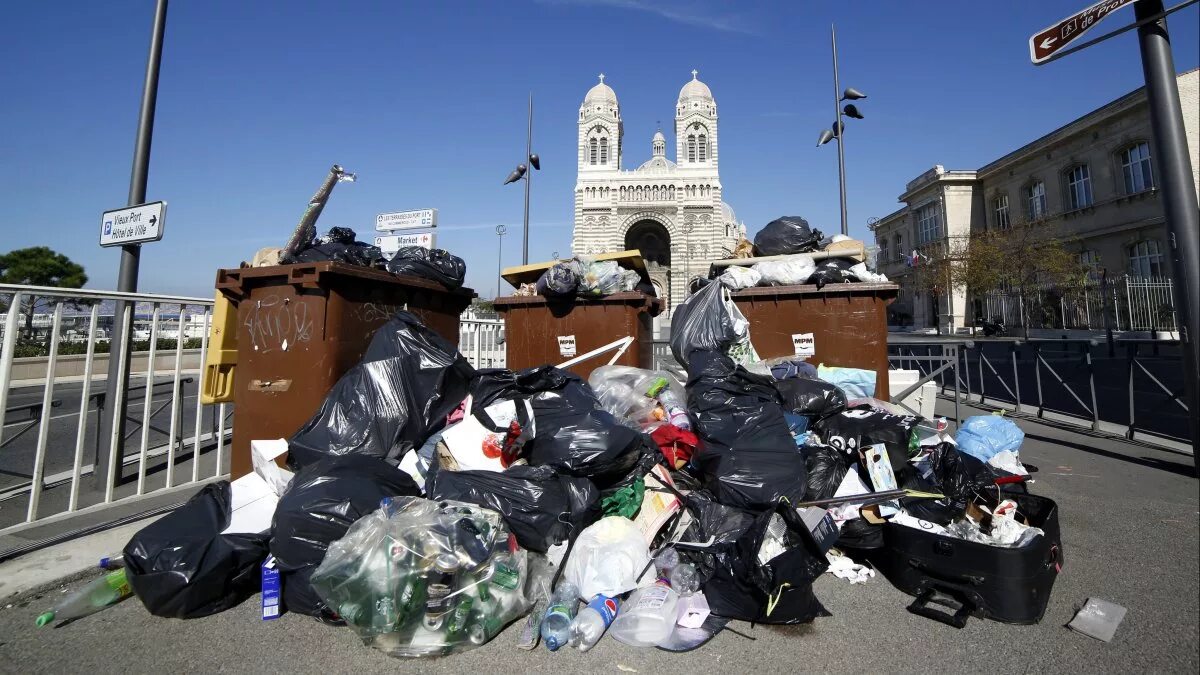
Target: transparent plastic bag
{"x":607,"y":558}
{"x":737,"y":277}
{"x":638,"y":398}
{"x":786,"y":272}
{"x":425,"y":578}
{"x":600,"y":278}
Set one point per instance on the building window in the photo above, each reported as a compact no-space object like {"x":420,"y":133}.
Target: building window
{"x":1000,"y":205}
{"x":929,"y":223}
{"x":1089,"y":259}
{"x":1035,"y":200}
{"x":592,"y":154}
{"x":883,"y":249}
{"x":691,"y":145}
{"x":899,"y":246}
{"x":1145,"y":260}
{"x":604,"y":151}
{"x":1079,"y":187}
{"x":702,"y":147}
{"x":1135,"y":165}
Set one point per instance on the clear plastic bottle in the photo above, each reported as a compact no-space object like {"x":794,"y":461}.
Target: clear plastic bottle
{"x":684,"y":578}
{"x":649,"y":616}
{"x":556,"y":626}
{"x":591,"y":622}
{"x":100,"y":593}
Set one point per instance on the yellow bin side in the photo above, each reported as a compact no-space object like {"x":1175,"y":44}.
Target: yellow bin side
{"x":221,"y":361}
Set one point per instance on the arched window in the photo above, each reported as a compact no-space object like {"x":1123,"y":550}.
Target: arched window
{"x":603,"y":150}
{"x":592,"y":156}
{"x":1135,"y":166}
{"x":621,"y":192}
{"x":691,"y":148}
{"x":702,"y":143}
{"x":1145,"y":259}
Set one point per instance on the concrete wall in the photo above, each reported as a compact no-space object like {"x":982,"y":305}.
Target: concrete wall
{"x":34,"y":368}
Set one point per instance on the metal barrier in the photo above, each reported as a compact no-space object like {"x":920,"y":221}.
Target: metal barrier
{"x":482,"y":342}
{"x":28,"y":466}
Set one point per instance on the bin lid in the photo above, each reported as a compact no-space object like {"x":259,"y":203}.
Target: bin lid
{"x":654,"y":305}
{"x":529,"y":274}
{"x":232,"y":282}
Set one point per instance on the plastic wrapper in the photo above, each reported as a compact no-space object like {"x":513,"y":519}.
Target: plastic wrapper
{"x":982,"y":436}
{"x":561,"y":280}
{"x":630,"y":280}
{"x":424,"y":578}
{"x":790,"y":272}
{"x":746,"y":453}
{"x":408,"y":381}
{"x":433,"y":264}
{"x":181,"y":566}
{"x":786,"y":235}
{"x":861,"y":272}
{"x":540,"y":507}
{"x":760,"y":566}
{"x":600,"y":277}
{"x":640,"y":398}
{"x":737,"y":276}
{"x":855,"y":428}
{"x":322,"y":502}
{"x":812,"y":398}
{"x":607,"y":558}
{"x":488,"y":438}
{"x":709,"y":321}
{"x":833,"y":271}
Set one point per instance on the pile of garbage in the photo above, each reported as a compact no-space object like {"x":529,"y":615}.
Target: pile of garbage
{"x":584,"y":277}
{"x":427,"y":505}
{"x":792,"y":244}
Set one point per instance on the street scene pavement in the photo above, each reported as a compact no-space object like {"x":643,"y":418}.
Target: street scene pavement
{"x":1130,"y":521}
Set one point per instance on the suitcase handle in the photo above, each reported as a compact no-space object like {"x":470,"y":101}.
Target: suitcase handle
{"x":952,"y":578}
{"x":958,"y":619}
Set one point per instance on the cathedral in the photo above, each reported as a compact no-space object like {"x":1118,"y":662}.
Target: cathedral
{"x":670,"y":210}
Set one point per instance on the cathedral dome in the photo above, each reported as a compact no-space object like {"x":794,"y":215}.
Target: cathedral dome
{"x":658,"y":137}
{"x":695,"y":89}
{"x":601,"y":94}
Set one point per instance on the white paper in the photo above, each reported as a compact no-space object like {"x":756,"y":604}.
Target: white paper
{"x":804,"y":344}
{"x":566,"y":346}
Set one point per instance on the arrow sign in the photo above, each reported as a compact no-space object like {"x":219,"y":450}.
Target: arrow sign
{"x":133,"y":224}
{"x":1052,"y":39}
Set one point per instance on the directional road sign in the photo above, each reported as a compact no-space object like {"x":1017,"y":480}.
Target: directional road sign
{"x":133,"y":224}
{"x":406,"y":220}
{"x":1052,"y":39}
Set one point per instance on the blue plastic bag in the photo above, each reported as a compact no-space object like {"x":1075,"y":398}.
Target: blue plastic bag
{"x":856,"y":382}
{"x":982,"y":436}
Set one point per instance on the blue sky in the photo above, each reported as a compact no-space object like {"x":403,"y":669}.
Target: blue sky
{"x":426,"y":103}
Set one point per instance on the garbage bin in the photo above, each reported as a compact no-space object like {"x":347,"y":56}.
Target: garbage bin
{"x":838,"y":325}
{"x":538,"y":330}
{"x":301,"y":327}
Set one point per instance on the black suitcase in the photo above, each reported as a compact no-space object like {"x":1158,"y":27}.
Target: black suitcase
{"x":1011,"y":585}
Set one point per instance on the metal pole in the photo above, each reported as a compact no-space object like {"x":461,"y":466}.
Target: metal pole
{"x":528,"y":180}
{"x":1178,"y":190}
{"x":127,"y":276}
{"x":837,"y":109}
{"x":499,"y":258}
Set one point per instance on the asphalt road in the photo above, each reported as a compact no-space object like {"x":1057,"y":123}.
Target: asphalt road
{"x":1130,"y":524}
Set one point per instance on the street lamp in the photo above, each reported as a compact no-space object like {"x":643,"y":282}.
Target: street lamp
{"x":500,"y":230}
{"x":522,"y":171}
{"x":839,"y":128}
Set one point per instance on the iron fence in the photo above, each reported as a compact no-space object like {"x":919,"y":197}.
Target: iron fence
{"x":1131,"y":303}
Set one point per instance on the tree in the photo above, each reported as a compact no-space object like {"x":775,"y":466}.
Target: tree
{"x":39,"y":266}
{"x":1025,"y":259}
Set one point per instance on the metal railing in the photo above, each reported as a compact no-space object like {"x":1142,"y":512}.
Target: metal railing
{"x":1133,"y":303}
{"x":47,"y":472}
{"x":482,"y":342}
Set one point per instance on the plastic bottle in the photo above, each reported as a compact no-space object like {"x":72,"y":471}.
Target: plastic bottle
{"x":684,"y":578}
{"x":103,"y":592}
{"x":589,"y":626}
{"x":649,"y":616}
{"x":556,"y":626}
{"x":676,"y":412}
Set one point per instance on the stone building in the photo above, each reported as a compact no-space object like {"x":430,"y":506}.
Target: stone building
{"x":671,"y":210}
{"x":1091,"y":182}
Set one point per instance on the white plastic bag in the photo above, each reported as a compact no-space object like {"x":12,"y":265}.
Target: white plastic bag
{"x":795,"y":270}
{"x":737,"y":277}
{"x":607,"y":558}
{"x":860,"y":271}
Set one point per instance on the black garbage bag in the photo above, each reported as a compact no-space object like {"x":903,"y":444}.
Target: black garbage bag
{"x":321,"y":503}
{"x":855,"y":428}
{"x":353,"y":253}
{"x":182,"y":567}
{"x":704,"y":322}
{"x":340,"y":235}
{"x":826,"y":470}
{"x":858,"y":534}
{"x":541,"y":507}
{"x":408,"y":381}
{"x":746,"y":453}
{"x":736,"y":583}
{"x":560,"y":281}
{"x":812,"y":398}
{"x":833,"y":271}
{"x":786,"y":235}
{"x":433,"y":264}
{"x":962,"y":477}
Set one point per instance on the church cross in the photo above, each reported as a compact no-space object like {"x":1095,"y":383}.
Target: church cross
{"x":694,"y":74}
{"x":601,"y":78}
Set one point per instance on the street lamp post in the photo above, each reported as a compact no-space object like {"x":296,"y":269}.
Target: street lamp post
{"x":500,"y":230}
{"x":839,"y":128}
{"x":522,"y":172}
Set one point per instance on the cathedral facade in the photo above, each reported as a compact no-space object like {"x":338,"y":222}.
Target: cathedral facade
{"x":670,"y":210}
